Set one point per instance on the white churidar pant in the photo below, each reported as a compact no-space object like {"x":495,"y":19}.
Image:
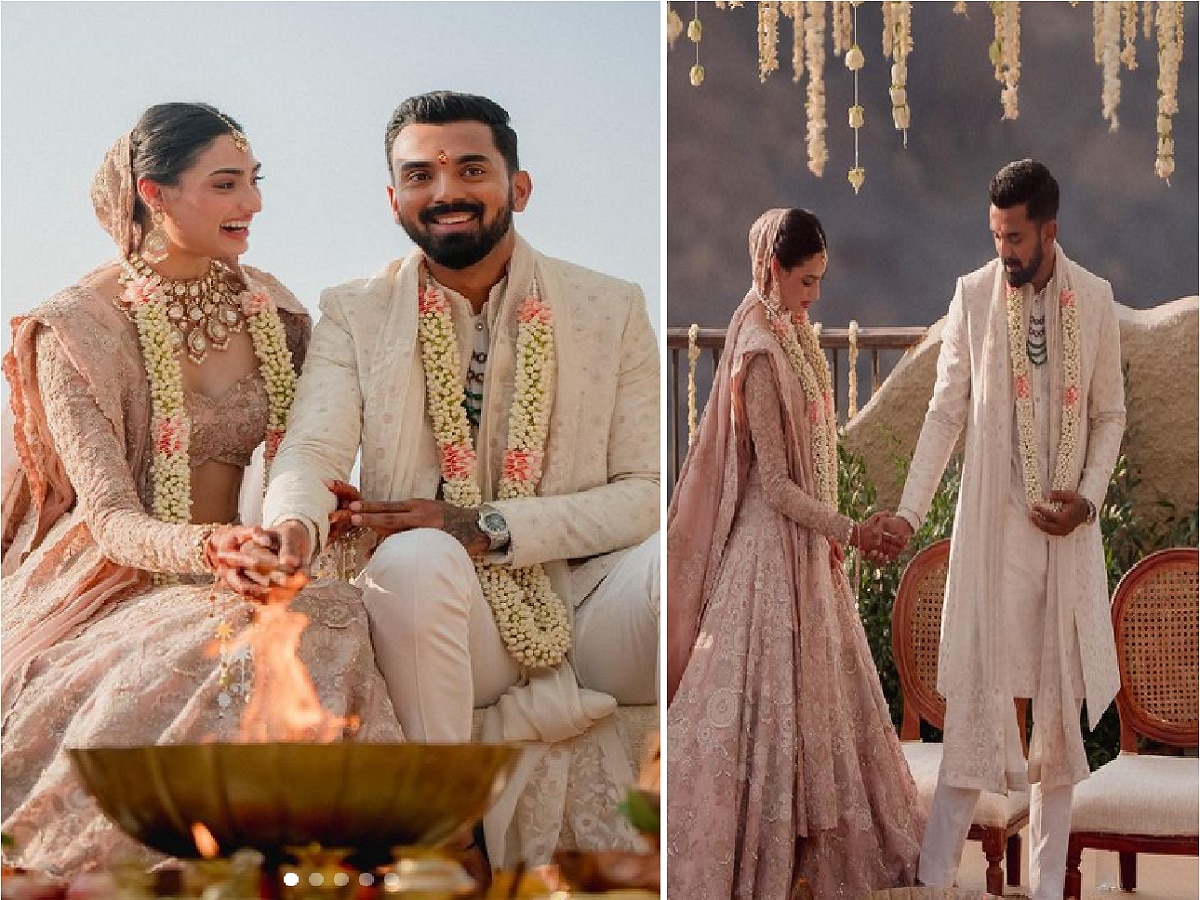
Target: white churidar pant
{"x":441,"y":654}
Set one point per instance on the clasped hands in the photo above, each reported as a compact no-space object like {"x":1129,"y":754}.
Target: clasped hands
{"x":879,"y":539}
{"x":270,"y":565}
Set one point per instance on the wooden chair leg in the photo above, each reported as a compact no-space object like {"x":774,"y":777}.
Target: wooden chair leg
{"x":1128,"y":864}
{"x":993,"y":849}
{"x":1012,"y":861}
{"x":1073,"y":884}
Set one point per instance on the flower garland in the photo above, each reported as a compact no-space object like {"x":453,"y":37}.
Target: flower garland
{"x":1005,"y":53}
{"x":852,"y":370}
{"x":1108,"y":30}
{"x":857,"y":115}
{"x":803,"y":350}
{"x":693,"y":356}
{"x":1023,"y":394}
{"x":897,"y":44}
{"x":530,"y":616}
{"x":1169,"y":19}
{"x":768,"y":38}
{"x":145,"y":301}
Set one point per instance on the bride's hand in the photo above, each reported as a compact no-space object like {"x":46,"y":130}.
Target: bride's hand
{"x":242,"y":558}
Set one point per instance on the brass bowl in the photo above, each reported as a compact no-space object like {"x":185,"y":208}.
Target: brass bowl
{"x":364,"y":797}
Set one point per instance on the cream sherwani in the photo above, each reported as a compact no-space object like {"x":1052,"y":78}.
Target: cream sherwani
{"x":364,"y":387}
{"x":974,"y":388}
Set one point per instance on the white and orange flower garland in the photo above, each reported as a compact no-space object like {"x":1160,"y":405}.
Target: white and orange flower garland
{"x":531,"y":617}
{"x":171,"y":426}
{"x":1061,"y":479}
{"x":803,"y":349}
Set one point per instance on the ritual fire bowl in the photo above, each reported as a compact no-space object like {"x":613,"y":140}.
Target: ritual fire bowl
{"x":363,"y":797}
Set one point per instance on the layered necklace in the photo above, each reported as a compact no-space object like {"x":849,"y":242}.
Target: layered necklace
{"x":531,"y":617}
{"x":1061,"y":477}
{"x":808,"y":361}
{"x":204,"y":311}
{"x":148,"y":300}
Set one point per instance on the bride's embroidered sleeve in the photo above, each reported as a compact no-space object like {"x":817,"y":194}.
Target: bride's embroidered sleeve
{"x":766,"y":432}
{"x":94,"y":459}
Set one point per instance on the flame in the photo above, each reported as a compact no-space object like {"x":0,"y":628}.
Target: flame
{"x":206,"y":844}
{"x":284,"y":705}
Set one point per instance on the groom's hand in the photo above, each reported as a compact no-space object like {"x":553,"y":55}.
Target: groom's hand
{"x":388,"y":517}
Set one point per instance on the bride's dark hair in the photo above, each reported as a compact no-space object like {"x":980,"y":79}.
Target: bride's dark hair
{"x":800,"y":236}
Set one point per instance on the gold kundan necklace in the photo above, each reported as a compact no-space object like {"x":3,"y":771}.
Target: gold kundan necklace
{"x":204,"y":312}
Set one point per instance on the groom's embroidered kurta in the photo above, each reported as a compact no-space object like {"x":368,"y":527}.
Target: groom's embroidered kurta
{"x":364,"y":386}
{"x":974,"y":388}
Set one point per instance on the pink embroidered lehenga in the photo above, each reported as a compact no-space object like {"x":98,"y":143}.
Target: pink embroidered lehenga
{"x":783,"y":760}
{"x":94,"y":652}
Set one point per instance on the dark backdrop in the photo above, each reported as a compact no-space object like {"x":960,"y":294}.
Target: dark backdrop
{"x":737,"y":147}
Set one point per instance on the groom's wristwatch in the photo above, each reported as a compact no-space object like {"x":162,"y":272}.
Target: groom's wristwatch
{"x":492,"y":523}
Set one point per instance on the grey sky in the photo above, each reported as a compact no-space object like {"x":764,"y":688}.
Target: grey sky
{"x":314,"y":85}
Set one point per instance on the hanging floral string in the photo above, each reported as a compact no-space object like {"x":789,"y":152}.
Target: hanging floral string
{"x":674,"y":27}
{"x":854,"y":62}
{"x":695,"y":31}
{"x":897,"y":45}
{"x":1005,"y":53}
{"x":768,"y":38}
{"x":1148,"y":19}
{"x":960,"y":7}
{"x":693,"y":356}
{"x":1109,"y":31}
{"x":814,"y":106}
{"x":1169,"y":20}
{"x":1129,"y":18}
{"x":796,"y":11}
{"x":852,"y":375}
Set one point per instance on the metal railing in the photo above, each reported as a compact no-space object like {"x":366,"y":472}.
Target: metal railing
{"x":878,"y":349}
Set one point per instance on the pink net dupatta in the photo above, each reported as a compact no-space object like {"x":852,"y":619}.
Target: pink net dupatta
{"x":710,"y":486}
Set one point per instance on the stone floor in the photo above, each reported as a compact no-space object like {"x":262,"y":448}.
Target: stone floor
{"x":1159,"y":877}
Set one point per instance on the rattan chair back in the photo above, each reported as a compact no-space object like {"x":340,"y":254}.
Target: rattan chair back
{"x":1157,"y":629}
{"x":916,"y":636}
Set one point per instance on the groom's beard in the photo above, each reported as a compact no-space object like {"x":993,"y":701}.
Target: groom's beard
{"x":464,"y":249}
{"x":1019,"y":276}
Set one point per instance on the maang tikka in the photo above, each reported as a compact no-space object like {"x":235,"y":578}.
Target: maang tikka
{"x":155,"y":245}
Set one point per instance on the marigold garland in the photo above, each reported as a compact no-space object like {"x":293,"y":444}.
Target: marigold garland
{"x":530,"y":616}
{"x":1061,"y":479}
{"x":145,"y":302}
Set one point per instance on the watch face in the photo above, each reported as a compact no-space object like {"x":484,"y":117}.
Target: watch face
{"x":493,"y":521}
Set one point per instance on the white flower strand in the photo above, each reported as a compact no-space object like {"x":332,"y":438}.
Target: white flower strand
{"x":852,"y":374}
{"x":802,"y":345}
{"x":854,"y":62}
{"x":530,"y":616}
{"x":1109,"y":29}
{"x":1129,"y":16}
{"x":1023,"y":394}
{"x":1005,"y":53}
{"x":1169,"y":20}
{"x":900,"y":22}
{"x":145,"y":302}
{"x":768,"y":38}
{"x":814,"y":107}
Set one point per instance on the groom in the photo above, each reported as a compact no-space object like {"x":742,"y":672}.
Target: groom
{"x":506,"y":409}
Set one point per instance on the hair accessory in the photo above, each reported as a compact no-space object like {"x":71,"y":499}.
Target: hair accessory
{"x":155,"y":245}
{"x":239,"y":136}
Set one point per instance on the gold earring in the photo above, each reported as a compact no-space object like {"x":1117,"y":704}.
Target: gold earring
{"x":155,"y":245}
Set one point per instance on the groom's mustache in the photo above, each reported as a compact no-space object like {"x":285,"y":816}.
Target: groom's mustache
{"x":428,"y":214}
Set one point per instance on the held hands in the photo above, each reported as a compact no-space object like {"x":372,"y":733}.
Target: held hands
{"x":882,"y":537}
{"x":1060,"y":513}
{"x":266,"y":565}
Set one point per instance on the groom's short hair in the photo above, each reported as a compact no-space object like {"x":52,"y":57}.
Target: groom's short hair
{"x":1026,"y":181}
{"x":444,"y":107}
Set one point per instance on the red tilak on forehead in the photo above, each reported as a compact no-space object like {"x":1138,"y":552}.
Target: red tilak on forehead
{"x":443,"y":157}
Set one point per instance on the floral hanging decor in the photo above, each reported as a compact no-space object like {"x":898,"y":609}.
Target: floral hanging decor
{"x":897,"y":44}
{"x":1108,"y":39}
{"x":695,"y":31}
{"x":1005,"y":53}
{"x":854,"y":62}
{"x":814,"y":105}
{"x":674,"y":27}
{"x":1169,"y":20}
{"x":768,"y":38}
